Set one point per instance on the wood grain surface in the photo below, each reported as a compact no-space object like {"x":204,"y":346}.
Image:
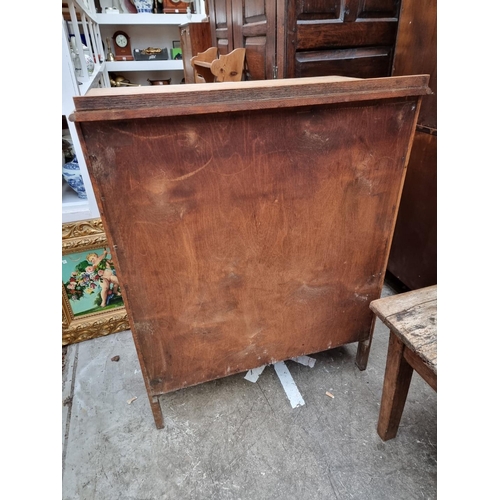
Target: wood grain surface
{"x":249,"y":237}
{"x":412,"y":316}
{"x":412,"y":320}
{"x":413,"y":257}
{"x":416,"y":51}
{"x":106,"y":104}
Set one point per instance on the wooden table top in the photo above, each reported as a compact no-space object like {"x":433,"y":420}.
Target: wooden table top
{"x":412,"y":316}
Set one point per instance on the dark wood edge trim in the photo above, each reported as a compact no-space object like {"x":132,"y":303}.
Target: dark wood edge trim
{"x":427,"y":130}
{"x":341,"y":54}
{"x":336,"y":20}
{"x":220,"y":107}
{"x":394,"y":219}
{"x":242,"y":96}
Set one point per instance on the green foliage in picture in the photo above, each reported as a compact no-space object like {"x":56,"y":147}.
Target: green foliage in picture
{"x":90,"y":282}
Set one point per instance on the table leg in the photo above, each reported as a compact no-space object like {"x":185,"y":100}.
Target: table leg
{"x":398,"y":373}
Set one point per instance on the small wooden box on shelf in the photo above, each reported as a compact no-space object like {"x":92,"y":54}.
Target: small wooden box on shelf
{"x":176,"y":6}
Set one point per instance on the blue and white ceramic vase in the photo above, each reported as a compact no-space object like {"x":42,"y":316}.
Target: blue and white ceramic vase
{"x":144,"y":6}
{"x":71,"y":174}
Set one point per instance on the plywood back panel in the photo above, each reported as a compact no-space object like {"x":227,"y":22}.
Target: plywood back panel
{"x":245,"y":237}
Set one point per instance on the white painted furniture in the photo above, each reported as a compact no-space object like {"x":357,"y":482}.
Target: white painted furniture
{"x":145,"y":30}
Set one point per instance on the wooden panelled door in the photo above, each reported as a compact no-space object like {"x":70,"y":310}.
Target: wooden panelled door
{"x":341,"y":37}
{"x":303,"y":38}
{"x":250,"y":24}
{"x":254,"y":28}
{"x":221,"y":25}
{"x":413,"y":257}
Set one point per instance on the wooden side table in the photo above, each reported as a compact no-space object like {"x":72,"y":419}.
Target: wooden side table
{"x":412,"y":320}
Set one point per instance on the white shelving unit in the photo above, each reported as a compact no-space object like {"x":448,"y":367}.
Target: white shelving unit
{"x":147,"y":19}
{"x":170,"y":65}
{"x":145,"y":30}
{"x":82,"y":22}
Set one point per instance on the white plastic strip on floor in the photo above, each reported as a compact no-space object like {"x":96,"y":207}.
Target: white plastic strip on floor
{"x":305,"y":360}
{"x":253,"y":375}
{"x":291,"y":390}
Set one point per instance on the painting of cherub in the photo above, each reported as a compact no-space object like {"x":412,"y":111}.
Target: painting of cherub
{"x":90,"y":282}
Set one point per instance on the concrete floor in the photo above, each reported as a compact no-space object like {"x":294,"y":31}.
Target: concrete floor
{"x":233,"y":439}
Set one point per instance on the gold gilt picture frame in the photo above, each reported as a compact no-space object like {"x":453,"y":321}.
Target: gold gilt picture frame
{"x":92,"y":305}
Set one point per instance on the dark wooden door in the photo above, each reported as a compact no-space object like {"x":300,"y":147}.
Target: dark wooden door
{"x":416,"y":51}
{"x":413,"y":257}
{"x":347,"y":38}
{"x":249,"y":24}
{"x":221,"y":25}
{"x":254,"y":28}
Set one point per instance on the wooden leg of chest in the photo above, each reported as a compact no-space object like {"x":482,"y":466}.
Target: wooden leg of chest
{"x":364,"y":349}
{"x":398,"y":373}
{"x":157,"y":413}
